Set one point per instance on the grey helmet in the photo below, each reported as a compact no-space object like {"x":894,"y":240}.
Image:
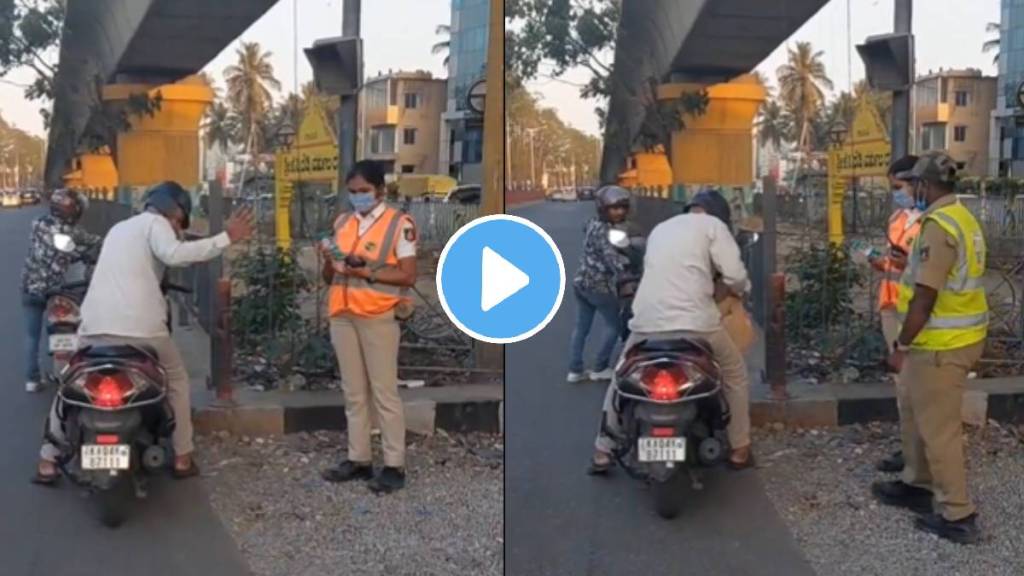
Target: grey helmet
{"x":168,"y":196}
{"x":611,"y":197}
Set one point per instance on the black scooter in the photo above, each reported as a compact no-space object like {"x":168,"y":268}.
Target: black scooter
{"x":112,"y":405}
{"x":673,"y":413}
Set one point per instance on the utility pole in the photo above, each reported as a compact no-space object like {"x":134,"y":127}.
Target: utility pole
{"x":348,"y":113}
{"x":533,"y":167}
{"x":903,"y":18}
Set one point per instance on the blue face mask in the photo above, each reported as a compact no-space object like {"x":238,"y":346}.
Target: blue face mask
{"x":902,"y":199}
{"x":363,"y":202}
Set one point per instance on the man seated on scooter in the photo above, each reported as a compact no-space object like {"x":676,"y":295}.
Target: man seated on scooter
{"x":676,"y":299}
{"x":125,"y":304}
{"x":46,"y":266}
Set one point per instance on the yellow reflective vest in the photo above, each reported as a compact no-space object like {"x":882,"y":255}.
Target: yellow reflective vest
{"x":960,"y":316}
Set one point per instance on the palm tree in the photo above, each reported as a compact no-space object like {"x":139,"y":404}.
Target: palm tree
{"x":802,"y":85}
{"x":992,"y":44}
{"x":249,"y":82}
{"x":445,"y":45}
{"x":773,"y":125}
{"x":220,"y":126}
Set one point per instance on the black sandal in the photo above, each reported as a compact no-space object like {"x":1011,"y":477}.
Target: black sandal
{"x":192,"y":470}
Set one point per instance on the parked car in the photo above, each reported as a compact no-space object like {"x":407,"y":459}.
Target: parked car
{"x":586,"y":192}
{"x":465,"y":194}
{"x":11,"y":199}
{"x":563,"y":195}
{"x":29,"y":196}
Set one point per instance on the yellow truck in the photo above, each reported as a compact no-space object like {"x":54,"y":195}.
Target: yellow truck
{"x":432,"y":186}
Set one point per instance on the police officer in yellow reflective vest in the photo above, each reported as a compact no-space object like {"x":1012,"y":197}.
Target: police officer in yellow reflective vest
{"x":944,"y":324}
{"x":370,"y":264}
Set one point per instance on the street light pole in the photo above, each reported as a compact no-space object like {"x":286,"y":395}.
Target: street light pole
{"x":902,"y":24}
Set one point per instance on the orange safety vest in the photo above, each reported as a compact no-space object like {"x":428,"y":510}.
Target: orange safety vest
{"x":359,"y":296}
{"x":903,"y":228}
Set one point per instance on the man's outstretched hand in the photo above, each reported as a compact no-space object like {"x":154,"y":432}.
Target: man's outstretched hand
{"x":239,"y":225}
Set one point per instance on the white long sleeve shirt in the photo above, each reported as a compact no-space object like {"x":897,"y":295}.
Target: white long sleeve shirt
{"x":124,"y":297}
{"x":677,"y":289}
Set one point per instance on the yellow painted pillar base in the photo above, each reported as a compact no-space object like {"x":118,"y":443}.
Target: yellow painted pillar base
{"x":716,"y":148}
{"x":166,"y":145}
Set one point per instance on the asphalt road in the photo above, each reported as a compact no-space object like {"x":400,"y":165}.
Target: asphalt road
{"x":561,"y":522}
{"x":53,"y":531}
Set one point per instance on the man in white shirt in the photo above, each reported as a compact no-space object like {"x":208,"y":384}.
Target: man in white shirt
{"x":689,"y":257}
{"x":126,"y":306}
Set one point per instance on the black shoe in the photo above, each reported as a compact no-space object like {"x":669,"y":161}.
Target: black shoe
{"x":348,"y":471}
{"x":893,"y":463}
{"x":389,"y":480}
{"x":963,"y":531}
{"x":903,"y":495}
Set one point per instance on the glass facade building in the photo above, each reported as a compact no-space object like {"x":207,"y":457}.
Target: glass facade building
{"x":1007,"y":148}
{"x":462,"y":141}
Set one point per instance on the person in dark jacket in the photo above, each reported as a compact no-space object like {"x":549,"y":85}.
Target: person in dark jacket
{"x":46,"y":266}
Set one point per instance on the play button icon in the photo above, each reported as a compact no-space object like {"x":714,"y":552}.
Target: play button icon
{"x":500,"y":279}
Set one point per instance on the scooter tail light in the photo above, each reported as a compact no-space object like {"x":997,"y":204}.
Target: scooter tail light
{"x":664,"y":385}
{"x":108,"y":390}
{"x":62,"y":310}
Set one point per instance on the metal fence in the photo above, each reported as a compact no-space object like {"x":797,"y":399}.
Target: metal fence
{"x":829,"y":306}
{"x":280,"y":299}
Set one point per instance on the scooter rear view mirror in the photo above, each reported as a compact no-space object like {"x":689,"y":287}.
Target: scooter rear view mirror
{"x":63,"y":242}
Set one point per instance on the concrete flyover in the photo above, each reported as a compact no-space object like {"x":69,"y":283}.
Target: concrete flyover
{"x":687,"y":41}
{"x":149,"y":42}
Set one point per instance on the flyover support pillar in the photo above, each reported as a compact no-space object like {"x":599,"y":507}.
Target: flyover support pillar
{"x":164,"y":146}
{"x":716,"y":147}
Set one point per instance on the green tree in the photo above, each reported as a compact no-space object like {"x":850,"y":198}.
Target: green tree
{"x":773,"y":124}
{"x":548,"y":37}
{"x":220,"y":126}
{"x":249,"y":84}
{"x":802,"y":85}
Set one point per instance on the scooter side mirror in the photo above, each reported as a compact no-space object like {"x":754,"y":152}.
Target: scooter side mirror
{"x":618,"y":238}
{"x":63,"y":243}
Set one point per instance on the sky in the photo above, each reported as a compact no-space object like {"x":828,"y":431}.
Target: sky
{"x":949,"y":34}
{"x":397,"y":34}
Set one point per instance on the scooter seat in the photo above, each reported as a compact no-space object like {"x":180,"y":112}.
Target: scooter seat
{"x":120,"y":352}
{"x":677,"y":345}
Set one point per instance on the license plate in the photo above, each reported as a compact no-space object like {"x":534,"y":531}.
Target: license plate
{"x":662,"y":449}
{"x":106,"y":456}
{"x":63,"y":342}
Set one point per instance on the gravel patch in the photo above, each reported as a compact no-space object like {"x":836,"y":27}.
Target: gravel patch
{"x":820,"y":483}
{"x":289,"y":522}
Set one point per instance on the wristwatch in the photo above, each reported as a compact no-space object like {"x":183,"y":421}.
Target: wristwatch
{"x":900,"y":347}
{"x":372,"y":278}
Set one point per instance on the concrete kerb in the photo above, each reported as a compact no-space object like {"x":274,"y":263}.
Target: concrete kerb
{"x":464,"y":408}
{"x":832,"y":405}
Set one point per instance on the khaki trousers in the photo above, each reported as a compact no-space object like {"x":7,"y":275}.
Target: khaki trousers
{"x":178,"y":392}
{"x":932,"y":386}
{"x":735,"y":388}
{"x":891,"y":327}
{"x":367,"y":350}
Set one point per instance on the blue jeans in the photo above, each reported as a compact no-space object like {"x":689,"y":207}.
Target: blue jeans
{"x":606,"y":306}
{"x":34,"y":307}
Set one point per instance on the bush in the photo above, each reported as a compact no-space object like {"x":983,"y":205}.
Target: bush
{"x":822,"y":296}
{"x":267,"y":304}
